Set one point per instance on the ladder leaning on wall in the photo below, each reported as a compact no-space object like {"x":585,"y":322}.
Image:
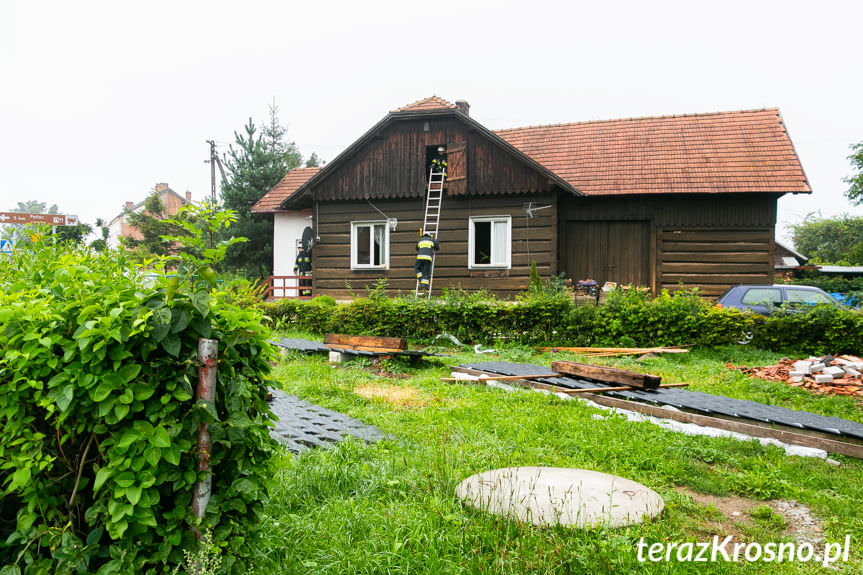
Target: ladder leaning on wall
{"x":434,"y":199}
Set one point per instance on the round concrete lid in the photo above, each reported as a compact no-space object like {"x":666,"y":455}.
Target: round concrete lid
{"x":560,"y":496}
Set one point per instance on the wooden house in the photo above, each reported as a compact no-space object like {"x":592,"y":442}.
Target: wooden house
{"x":665,"y":202}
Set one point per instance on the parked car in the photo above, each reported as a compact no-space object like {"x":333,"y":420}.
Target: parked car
{"x":768,"y":299}
{"x":777,"y":298}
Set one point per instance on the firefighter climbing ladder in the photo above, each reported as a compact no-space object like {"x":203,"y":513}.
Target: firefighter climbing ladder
{"x":434,"y":199}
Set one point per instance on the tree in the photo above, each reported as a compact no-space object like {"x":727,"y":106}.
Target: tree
{"x":255,"y":165}
{"x":855,"y":190}
{"x":150,"y":223}
{"x":101,"y":244}
{"x":314,"y":161}
{"x":836,"y":240}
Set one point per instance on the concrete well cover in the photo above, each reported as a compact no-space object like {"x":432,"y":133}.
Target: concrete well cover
{"x":555,"y":495}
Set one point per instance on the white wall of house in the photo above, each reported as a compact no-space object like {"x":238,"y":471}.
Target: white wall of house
{"x":287,"y":232}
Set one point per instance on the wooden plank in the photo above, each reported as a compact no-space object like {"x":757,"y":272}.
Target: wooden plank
{"x":715,"y":268}
{"x":606,"y":374}
{"x":787,"y":435}
{"x":632,"y":350}
{"x":389,"y":343}
{"x":724,"y":236}
{"x":507,"y":377}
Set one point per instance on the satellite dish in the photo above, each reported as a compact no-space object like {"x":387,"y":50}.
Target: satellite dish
{"x":308,"y":240}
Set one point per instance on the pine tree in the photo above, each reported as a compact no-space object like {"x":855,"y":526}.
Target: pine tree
{"x":150,"y":222}
{"x":255,"y":165}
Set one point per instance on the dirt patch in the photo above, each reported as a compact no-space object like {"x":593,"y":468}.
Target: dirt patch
{"x":399,"y":397}
{"x":736,"y":515}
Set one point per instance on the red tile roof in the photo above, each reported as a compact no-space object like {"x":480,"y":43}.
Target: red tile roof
{"x":286,"y":186}
{"x":747,"y":151}
{"x":431,"y":103}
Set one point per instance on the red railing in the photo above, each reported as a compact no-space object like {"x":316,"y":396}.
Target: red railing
{"x":288,"y":287}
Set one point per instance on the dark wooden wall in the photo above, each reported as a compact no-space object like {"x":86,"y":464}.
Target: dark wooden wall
{"x":533,"y":239}
{"x":710,"y":242}
{"x":393,"y":164}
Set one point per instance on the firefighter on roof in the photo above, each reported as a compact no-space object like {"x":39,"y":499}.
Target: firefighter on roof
{"x":426,"y":247}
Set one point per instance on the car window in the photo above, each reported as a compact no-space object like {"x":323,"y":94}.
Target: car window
{"x":799,"y":296}
{"x":762,"y":296}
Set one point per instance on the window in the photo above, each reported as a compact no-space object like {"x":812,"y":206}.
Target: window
{"x":370,"y":245}
{"x":489,"y":242}
{"x":806,"y":297}
{"x":762,"y":296}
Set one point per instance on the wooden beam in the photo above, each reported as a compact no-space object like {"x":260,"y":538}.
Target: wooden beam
{"x":335,"y":347}
{"x":618,"y":350}
{"x":388,"y":343}
{"x":606,"y":374}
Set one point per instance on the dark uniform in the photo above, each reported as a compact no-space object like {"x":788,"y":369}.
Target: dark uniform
{"x":426,"y":247}
{"x":302,"y":267}
{"x":439,"y":165}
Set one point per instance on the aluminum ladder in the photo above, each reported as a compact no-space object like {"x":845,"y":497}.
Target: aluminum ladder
{"x":434,"y":199}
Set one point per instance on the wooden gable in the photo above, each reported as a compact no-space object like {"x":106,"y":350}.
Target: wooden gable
{"x":393,"y":163}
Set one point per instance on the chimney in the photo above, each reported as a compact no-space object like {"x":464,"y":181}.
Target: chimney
{"x":188,"y":197}
{"x":129,"y":205}
{"x":463,"y":107}
{"x":161,"y":187}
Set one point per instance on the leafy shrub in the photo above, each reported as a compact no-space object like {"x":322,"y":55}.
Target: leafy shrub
{"x":98,"y":454}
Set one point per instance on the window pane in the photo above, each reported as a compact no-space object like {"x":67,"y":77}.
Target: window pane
{"x":807,"y":297}
{"x":481,"y":243}
{"x":762,"y":296}
{"x":501,"y":243}
{"x":379,"y":245}
{"x":363,"y":243}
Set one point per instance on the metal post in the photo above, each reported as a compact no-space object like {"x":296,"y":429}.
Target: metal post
{"x":208,"y":354}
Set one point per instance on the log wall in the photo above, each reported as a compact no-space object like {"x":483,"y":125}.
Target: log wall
{"x":533,"y":239}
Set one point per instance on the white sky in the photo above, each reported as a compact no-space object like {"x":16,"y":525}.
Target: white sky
{"x":99,"y":100}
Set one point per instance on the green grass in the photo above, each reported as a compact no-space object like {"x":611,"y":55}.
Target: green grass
{"x":390,"y":507}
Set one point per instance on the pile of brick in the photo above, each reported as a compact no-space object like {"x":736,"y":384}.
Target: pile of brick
{"x":840,"y":375}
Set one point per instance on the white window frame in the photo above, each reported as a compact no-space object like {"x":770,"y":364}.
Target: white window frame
{"x":385,"y":265}
{"x":472,"y":242}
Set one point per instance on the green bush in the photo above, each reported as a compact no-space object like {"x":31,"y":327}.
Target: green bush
{"x":548,"y":316}
{"x":98,"y":454}
{"x":628,"y":318}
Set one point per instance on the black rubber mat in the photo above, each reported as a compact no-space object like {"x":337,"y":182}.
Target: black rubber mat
{"x":692,"y":400}
{"x":301,"y":425}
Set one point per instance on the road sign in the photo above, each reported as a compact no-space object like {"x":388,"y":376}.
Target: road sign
{"x":50,"y":219}
{"x":5,"y":247}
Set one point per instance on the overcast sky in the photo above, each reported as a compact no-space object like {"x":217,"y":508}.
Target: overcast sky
{"x":102,"y":99}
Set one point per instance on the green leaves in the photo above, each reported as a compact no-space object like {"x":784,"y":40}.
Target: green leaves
{"x":96,"y":379}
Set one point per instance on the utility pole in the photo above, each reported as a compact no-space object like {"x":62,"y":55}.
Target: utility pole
{"x":214,"y":161}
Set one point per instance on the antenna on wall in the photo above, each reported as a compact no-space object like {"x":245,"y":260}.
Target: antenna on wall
{"x":530,"y":209}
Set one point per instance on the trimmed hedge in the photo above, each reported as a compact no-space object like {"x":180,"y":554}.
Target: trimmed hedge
{"x":98,"y":454}
{"x":628,"y":318}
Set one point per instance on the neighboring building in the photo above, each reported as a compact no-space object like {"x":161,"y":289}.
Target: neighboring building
{"x":288,"y":225}
{"x":786,"y":260}
{"x":665,"y":202}
{"x":119,"y":227}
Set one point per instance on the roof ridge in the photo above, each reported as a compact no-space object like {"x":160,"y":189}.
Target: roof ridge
{"x":621,"y":120}
{"x":431,"y":99}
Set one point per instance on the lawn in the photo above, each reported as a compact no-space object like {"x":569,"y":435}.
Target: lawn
{"x":391,"y":507}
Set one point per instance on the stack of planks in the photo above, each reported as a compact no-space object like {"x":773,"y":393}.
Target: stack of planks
{"x":380,"y":345}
